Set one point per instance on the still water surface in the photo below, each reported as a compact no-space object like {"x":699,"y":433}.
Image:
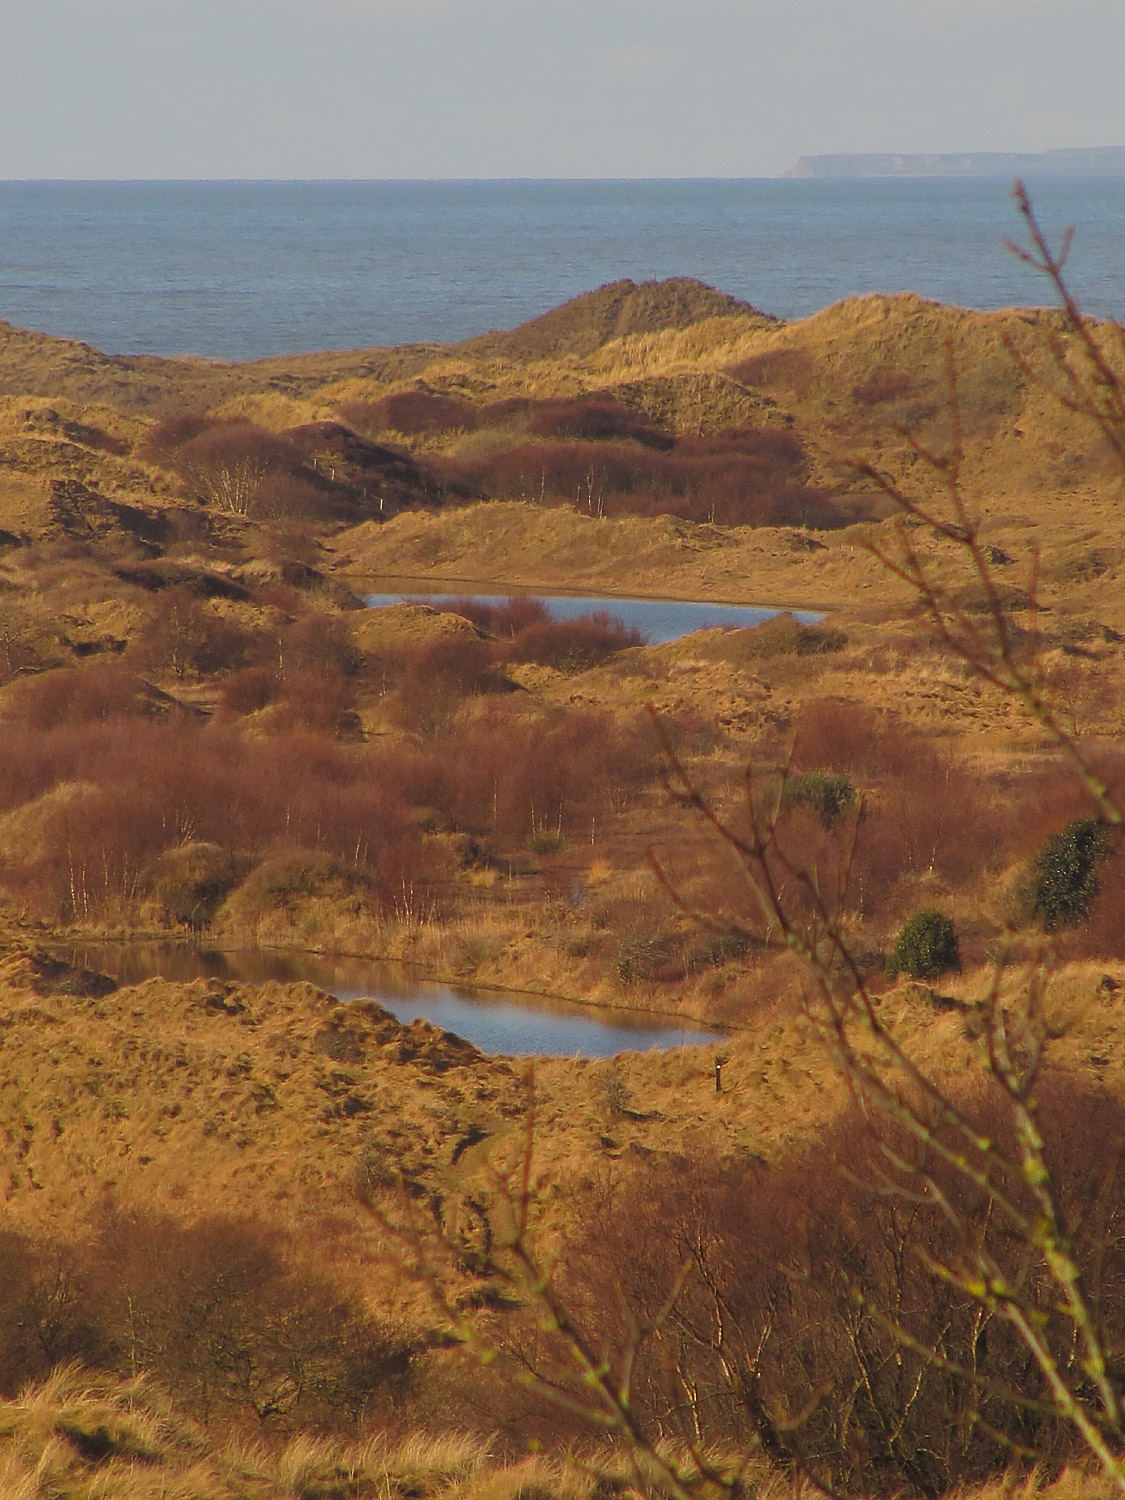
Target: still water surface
{"x":658,"y":620}
{"x":501,"y":1023}
{"x":237,"y":270}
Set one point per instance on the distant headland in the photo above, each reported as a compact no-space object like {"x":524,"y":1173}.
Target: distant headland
{"x":1095,"y":161}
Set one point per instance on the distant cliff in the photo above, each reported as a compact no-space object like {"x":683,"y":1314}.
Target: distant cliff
{"x":1096,"y":161}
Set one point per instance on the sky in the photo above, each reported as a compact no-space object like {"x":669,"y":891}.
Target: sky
{"x":542,"y":88}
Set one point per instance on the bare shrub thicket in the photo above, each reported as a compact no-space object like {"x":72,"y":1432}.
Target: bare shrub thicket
{"x":236,"y":466}
{"x":186,"y":637}
{"x":79,"y":695}
{"x":226,"y":1314}
{"x":522,"y":630}
{"x":502,"y":775}
{"x":574,"y":645}
{"x":117,"y":788}
{"x":434,"y":678}
{"x":740,"y":477}
{"x":501,"y":620}
{"x":811,"y":1293}
{"x":413,"y":413}
{"x":140,"y":788}
{"x":597,"y":418}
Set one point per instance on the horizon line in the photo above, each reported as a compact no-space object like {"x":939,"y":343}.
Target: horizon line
{"x":789,"y":178}
{"x":347,"y":181}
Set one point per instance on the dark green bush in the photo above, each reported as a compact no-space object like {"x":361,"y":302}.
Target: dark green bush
{"x":830,"y":797}
{"x":926,"y":945}
{"x":1064,"y":881}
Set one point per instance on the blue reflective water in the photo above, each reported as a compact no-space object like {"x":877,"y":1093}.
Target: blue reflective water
{"x":503,"y":1024}
{"x":658,"y":620}
{"x":237,"y":270}
{"x":513,"y":1028}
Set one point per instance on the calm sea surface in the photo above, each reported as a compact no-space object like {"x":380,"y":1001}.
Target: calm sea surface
{"x":239,"y":270}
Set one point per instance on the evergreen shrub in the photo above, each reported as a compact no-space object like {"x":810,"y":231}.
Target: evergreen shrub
{"x":926,"y":946}
{"x":830,"y":797}
{"x":1064,"y":880}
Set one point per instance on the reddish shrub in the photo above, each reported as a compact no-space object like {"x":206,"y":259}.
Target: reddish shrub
{"x":741,"y":477}
{"x":436,"y":676}
{"x":574,"y":645}
{"x":99,"y":845}
{"x":512,"y":411}
{"x":413,"y":413}
{"x":319,"y":642}
{"x":187,"y":637}
{"x":925,"y":813}
{"x":167,"y":436}
{"x":506,"y":776}
{"x":313,"y":700}
{"x":834,"y":734}
{"x":248,"y":691}
{"x":228,"y":464}
{"x":507,"y":619}
{"x":228,"y":1316}
{"x":284,"y":496}
{"x":43,"y":1321}
{"x":796,"y":1276}
{"x":78,"y":695}
{"x":593,"y":419}
{"x":562,"y":473}
{"x":1103,"y":935}
{"x":154,"y":785}
{"x":937,"y":820}
{"x":792,"y":369}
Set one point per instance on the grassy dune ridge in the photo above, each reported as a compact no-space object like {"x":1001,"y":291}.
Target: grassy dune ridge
{"x":202,"y":731}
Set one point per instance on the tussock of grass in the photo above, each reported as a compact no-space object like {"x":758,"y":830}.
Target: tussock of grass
{"x":80,"y":1437}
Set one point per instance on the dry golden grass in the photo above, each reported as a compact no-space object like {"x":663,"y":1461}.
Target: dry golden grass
{"x":277,"y":1099}
{"x":518,"y":544}
{"x":78,"y":1436}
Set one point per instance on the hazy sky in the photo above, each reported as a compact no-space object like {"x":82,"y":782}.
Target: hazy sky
{"x":542,"y":88}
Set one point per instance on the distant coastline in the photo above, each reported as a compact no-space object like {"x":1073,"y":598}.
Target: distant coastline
{"x":1095,"y":161}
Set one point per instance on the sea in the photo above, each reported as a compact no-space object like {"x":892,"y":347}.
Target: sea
{"x":241,"y":270}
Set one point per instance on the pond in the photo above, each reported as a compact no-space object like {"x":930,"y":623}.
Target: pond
{"x":502,"y":1023}
{"x":659,"y":620}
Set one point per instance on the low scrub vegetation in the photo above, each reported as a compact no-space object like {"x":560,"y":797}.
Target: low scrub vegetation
{"x":130,"y":806}
{"x":879,"y":1391}
{"x":737,"y":478}
{"x":593,"y":452}
{"x":522,"y":630}
{"x":225,"y":1314}
{"x":320,"y":472}
{"x":202,"y":734}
